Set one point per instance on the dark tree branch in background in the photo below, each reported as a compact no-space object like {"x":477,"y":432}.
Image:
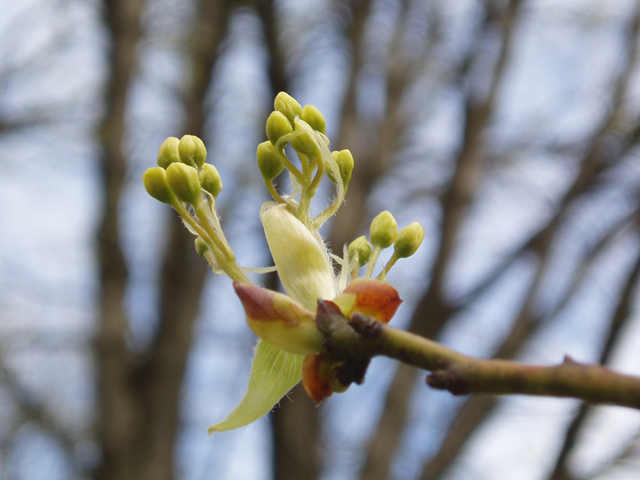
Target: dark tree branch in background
{"x":183,"y":271}
{"x":455,"y":202}
{"x":296,"y":435}
{"x":277,"y":77}
{"x":140,"y":394}
{"x":351,"y":131}
{"x":120,"y":412}
{"x":596,"y":160}
{"x":372,"y":147}
{"x":32,"y":410}
{"x":295,"y":421}
{"x":618,"y":321}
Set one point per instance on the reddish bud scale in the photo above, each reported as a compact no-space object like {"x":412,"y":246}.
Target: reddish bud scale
{"x":372,"y":298}
{"x":261,"y":305}
{"x":279,"y":320}
{"x":316,"y":376}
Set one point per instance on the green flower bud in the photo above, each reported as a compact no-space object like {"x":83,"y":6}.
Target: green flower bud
{"x":384,"y":230}
{"x":409,"y":240}
{"x":277,"y":126}
{"x":362,"y":247}
{"x":183,"y":180}
{"x":305,"y":144}
{"x":344,"y":159}
{"x":192,"y":151}
{"x":168,"y":152}
{"x":201,"y":247}
{"x":155,"y":183}
{"x":287,"y":105}
{"x":210,"y":179}
{"x":269,"y":162}
{"x":314,"y":118}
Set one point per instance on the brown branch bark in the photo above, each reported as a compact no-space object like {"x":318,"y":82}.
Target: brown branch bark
{"x":477,"y":409}
{"x":362,"y":338}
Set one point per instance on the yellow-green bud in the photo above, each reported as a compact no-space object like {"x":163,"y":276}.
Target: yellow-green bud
{"x":210,"y":179}
{"x":168,"y":152}
{"x":344,"y":159}
{"x":192,"y":151}
{"x":269,"y":162}
{"x":155,"y":183}
{"x":288,"y":105}
{"x":314,"y":118}
{"x":201,"y":247}
{"x":277,"y":126}
{"x":305,"y":144}
{"x":183,"y":180}
{"x":409,"y":240}
{"x":362,"y":247}
{"x":384,"y":230}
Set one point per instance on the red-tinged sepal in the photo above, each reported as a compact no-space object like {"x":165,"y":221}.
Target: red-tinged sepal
{"x":370,"y":297}
{"x":279,"y":320}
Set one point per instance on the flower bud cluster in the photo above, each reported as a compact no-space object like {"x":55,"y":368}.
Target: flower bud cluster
{"x":177,"y":177}
{"x":191,"y":186}
{"x":384,"y":233}
{"x":304,"y":129}
{"x":183,"y":180}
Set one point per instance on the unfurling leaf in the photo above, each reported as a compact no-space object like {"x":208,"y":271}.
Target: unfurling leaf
{"x":273,"y":373}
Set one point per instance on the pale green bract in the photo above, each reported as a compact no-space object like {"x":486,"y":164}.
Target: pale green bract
{"x":273,"y":373}
{"x":305,"y":270}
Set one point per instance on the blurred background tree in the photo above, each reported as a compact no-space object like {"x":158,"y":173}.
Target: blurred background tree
{"x":509,"y":129}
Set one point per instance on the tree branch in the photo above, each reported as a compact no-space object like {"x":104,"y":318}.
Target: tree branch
{"x":619,"y":319}
{"x":608,"y":145}
{"x":455,"y":200}
{"x":357,"y":340}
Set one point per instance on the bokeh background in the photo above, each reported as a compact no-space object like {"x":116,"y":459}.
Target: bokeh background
{"x":508,"y":128}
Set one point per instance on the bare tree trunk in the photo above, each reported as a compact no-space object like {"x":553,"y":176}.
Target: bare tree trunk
{"x":296,"y":434}
{"x":120,"y":408}
{"x":183,"y":271}
{"x":295,"y":422}
{"x":139,"y":394}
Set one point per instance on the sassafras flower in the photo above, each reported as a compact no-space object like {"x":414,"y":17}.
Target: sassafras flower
{"x":290,"y":346}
